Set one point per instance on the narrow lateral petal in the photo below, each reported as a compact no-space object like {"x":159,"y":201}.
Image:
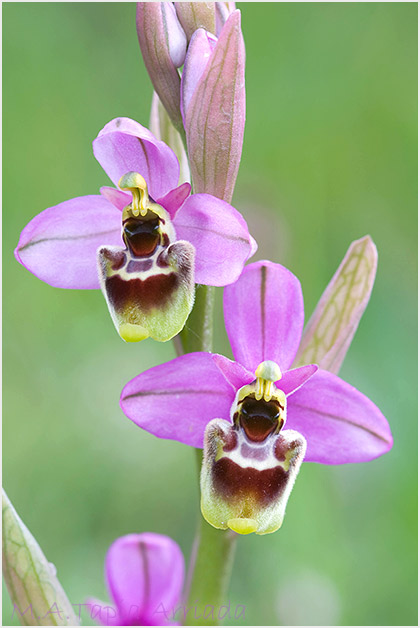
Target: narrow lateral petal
{"x":220,"y":236}
{"x":124,"y":146}
{"x":294,"y":379}
{"x":339,"y":423}
{"x":175,"y":198}
{"x":215,"y":118}
{"x":331,"y":328}
{"x":152,"y":31}
{"x":234,"y":372}
{"x":176,"y":400}
{"x":118,"y":198}
{"x":144,"y":572}
{"x":199,"y":52}
{"x":59,"y":245}
{"x":264,"y":315}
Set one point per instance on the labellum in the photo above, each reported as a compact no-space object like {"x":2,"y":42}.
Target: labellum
{"x":149,"y":285}
{"x":249,"y":467}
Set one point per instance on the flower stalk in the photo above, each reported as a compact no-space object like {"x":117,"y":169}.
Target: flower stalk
{"x":212,"y":554}
{"x":210,"y":571}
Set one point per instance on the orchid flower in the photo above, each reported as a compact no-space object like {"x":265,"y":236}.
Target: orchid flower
{"x":238,"y":409}
{"x":145,"y":249}
{"x":144,"y":575}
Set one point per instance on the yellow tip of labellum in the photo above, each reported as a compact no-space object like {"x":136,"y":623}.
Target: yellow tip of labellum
{"x":243,"y":526}
{"x":133,"y":333}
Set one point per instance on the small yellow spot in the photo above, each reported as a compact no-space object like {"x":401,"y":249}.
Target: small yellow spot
{"x":133,"y":333}
{"x":243,"y":526}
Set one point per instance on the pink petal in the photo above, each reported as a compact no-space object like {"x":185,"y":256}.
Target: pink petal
{"x":124,"y":145}
{"x":144,"y":572}
{"x":118,"y":198}
{"x":234,"y":372}
{"x":264,"y":315}
{"x":176,"y":400}
{"x":215,"y":118}
{"x":59,"y":245}
{"x":174,"y":199}
{"x":220,"y":236}
{"x":340,"y":423}
{"x":294,"y":379}
{"x":199,"y":51}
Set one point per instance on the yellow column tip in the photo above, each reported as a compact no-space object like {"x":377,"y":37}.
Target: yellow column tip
{"x":243,"y":526}
{"x":133,"y":333}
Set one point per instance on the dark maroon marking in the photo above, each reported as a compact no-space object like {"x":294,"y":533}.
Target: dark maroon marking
{"x":116,"y":258}
{"x":238,"y":484}
{"x":165,"y":239}
{"x":259,"y":418}
{"x":142,"y":235}
{"x":282,"y":447}
{"x":155,"y":291}
{"x":162,"y":260}
{"x":230,"y":439}
{"x":135,"y":266}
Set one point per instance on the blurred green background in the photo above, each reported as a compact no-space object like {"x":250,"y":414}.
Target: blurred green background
{"x":329,"y":155}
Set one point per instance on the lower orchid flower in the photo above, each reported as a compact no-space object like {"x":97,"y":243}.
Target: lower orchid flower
{"x":145,"y":576}
{"x":238,"y":409}
{"x":144,"y":244}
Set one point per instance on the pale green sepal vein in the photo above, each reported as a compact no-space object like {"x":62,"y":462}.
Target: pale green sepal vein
{"x":37,"y":596}
{"x":331,"y":328}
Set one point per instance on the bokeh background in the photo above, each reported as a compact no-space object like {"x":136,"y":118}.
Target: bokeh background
{"x":329,"y":155}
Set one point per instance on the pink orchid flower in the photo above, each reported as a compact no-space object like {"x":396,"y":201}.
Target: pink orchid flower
{"x":238,"y":409}
{"x":145,"y":576}
{"x":147,"y":267}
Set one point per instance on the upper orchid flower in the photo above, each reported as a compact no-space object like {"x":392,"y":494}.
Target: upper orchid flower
{"x":145,"y":576}
{"x":250,"y":462}
{"x":150,"y":244}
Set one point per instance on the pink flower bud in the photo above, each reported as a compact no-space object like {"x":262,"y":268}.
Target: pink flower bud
{"x":163,"y":46}
{"x":214,"y":116}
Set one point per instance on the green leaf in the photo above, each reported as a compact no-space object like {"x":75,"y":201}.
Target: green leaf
{"x":37,"y":596}
{"x":331,"y":328}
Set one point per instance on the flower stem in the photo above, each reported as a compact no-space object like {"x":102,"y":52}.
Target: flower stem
{"x":197,"y":334}
{"x":213,"y":551}
{"x":210,"y":571}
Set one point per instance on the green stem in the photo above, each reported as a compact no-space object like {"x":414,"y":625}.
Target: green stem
{"x":210,"y":571}
{"x":213,"y":550}
{"x":197,"y":334}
